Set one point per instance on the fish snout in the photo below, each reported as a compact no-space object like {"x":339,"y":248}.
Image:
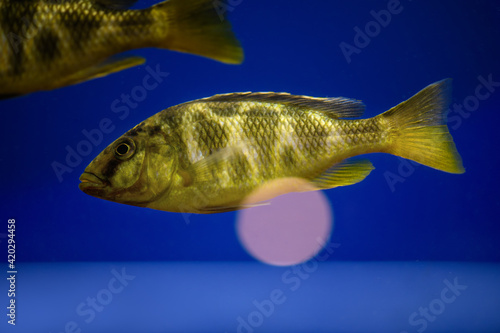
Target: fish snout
{"x":91,"y":183}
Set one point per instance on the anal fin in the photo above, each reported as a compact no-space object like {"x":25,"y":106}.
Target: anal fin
{"x":344,"y":173}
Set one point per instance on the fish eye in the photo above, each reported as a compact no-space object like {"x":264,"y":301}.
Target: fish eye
{"x":122,"y":149}
{"x":125,"y":149}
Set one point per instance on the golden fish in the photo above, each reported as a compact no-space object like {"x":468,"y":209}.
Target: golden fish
{"x":208,"y":155}
{"x":48,"y":44}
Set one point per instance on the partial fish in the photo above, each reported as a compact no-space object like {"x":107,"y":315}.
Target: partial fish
{"x":47,"y":44}
{"x":208,"y":155}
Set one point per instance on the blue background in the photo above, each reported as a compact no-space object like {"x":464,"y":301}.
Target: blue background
{"x":290,"y":46}
{"x":293,"y":48}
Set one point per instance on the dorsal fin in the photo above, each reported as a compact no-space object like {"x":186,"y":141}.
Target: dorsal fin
{"x":115,"y":4}
{"x":337,"y":107}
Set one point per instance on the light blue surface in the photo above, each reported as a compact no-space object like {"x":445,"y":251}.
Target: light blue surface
{"x":210,"y":297}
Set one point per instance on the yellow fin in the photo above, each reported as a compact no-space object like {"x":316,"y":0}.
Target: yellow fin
{"x":206,"y":168}
{"x":197,"y":27}
{"x":418,"y":129}
{"x":101,"y":70}
{"x":342,"y":174}
{"x":336,"y":107}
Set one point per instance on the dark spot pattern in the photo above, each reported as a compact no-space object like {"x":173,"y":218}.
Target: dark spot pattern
{"x":110,"y":168}
{"x":144,"y":128}
{"x":241,"y":168}
{"x":261,"y":127}
{"x":154,"y":130}
{"x":136,"y":130}
{"x":225,"y":109}
{"x":47,"y":45}
{"x":81,"y":27}
{"x":311,"y":135}
{"x":210,"y":134}
{"x":15,"y":19}
{"x":289,"y":157}
{"x":176,"y":141}
{"x":134,"y":23}
{"x":171,"y":117}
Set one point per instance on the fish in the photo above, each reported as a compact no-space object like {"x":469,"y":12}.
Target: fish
{"x":49,"y":44}
{"x":208,"y":155}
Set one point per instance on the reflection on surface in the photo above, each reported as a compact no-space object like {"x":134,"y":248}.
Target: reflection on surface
{"x":131,"y":297}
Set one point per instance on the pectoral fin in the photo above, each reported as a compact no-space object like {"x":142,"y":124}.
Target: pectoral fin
{"x":103,"y":69}
{"x":206,"y":168}
{"x":342,"y":174}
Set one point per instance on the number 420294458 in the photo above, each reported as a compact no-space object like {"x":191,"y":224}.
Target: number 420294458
{"x":12,"y":243}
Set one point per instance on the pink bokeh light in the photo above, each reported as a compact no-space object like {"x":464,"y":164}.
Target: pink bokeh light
{"x":292,"y":229}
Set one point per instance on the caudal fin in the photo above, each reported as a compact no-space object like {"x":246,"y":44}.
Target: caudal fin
{"x":197,"y":27}
{"x":417,"y":129}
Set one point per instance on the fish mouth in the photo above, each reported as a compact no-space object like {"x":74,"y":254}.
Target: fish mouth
{"x":90,"y":181}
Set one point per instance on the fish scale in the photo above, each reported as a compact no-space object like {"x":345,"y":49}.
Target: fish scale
{"x":78,"y":30}
{"x":47,"y":44}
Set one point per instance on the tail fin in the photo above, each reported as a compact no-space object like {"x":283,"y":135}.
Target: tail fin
{"x":197,"y":27}
{"x":418,"y":129}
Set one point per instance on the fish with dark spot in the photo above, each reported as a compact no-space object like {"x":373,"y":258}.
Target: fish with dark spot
{"x":210,"y":155}
{"x":48,"y":44}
